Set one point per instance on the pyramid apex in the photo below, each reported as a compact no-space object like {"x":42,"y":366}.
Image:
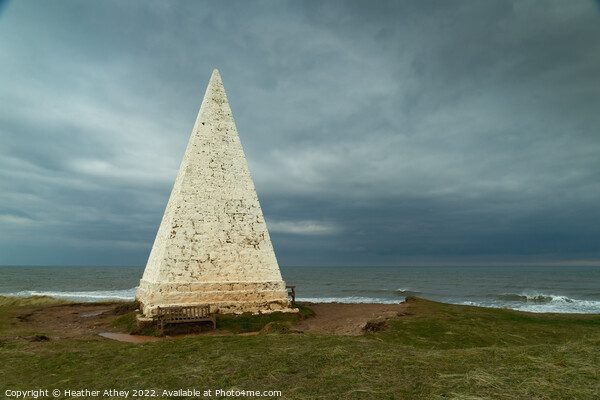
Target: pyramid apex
{"x":215,"y":81}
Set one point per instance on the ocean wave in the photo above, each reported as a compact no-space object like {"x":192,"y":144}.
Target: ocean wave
{"x":572,"y":306}
{"x":407,"y":292}
{"x":376,"y":293}
{"x":87,"y":296}
{"x":129,"y":294}
{"x":538,"y":298}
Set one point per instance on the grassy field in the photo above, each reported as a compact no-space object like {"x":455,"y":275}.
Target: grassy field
{"x":438,"y":351}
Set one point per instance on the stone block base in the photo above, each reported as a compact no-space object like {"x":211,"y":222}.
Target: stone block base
{"x":223,"y":297}
{"x":143,"y":322}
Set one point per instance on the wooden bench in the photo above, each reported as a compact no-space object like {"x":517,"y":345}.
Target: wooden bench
{"x":182,"y":314}
{"x":291,"y":292}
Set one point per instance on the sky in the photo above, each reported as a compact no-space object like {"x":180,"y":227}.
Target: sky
{"x":377,"y":133}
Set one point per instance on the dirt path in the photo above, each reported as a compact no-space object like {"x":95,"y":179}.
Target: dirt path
{"x":347,"y":319}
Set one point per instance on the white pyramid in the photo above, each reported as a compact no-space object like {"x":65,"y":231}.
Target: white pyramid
{"x":213,"y":246}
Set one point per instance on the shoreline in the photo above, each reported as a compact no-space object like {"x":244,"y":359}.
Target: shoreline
{"x":540,"y":290}
{"x":536,"y":307}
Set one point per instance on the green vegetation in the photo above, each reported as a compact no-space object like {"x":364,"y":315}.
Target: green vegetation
{"x":128,"y":324}
{"x":447,"y":326}
{"x":436,"y":351}
{"x":253,"y":323}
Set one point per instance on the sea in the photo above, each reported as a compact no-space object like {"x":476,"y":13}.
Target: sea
{"x":537,"y":289}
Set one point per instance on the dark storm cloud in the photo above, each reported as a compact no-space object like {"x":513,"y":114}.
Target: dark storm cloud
{"x":376,"y":133}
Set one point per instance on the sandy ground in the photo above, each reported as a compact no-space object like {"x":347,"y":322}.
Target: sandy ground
{"x":71,"y":320}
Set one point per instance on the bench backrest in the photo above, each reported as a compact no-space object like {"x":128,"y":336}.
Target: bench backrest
{"x":183,"y":313}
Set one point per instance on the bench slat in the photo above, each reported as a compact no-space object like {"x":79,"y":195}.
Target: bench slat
{"x":182,"y":314}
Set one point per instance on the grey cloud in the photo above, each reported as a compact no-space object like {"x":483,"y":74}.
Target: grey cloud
{"x":376,"y":133}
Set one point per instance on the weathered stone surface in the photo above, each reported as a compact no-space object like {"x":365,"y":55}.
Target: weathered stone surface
{"x":213,"y":245}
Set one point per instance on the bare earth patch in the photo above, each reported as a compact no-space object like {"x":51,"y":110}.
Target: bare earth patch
{"x":64,"y":321}
{"x":347,"y":319}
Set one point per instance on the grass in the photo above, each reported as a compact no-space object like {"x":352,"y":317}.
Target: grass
{"x":446,"y":326}
{"x":438,"y":352}
{"x":253,"y":323}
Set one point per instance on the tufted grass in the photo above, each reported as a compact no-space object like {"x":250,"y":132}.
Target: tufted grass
{"x":438,"y":351}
